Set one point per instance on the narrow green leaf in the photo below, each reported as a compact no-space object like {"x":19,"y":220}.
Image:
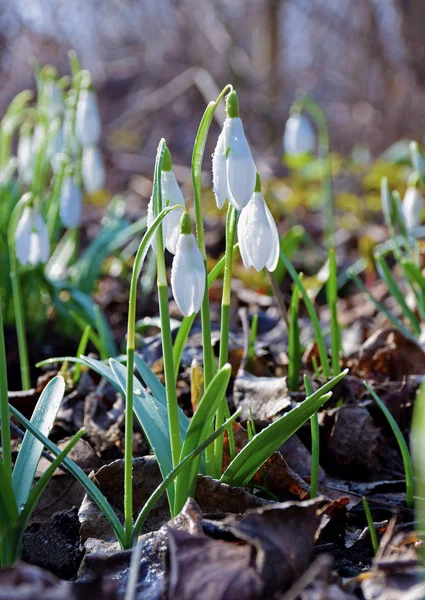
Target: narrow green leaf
{"x":77,"y":472}
{"x":198,"y":430}
{"x":153,"y":499}
{"x":261,"y":447}
{"x":407,"y":461}
{"x":42,"y":419}
{"x":312,"y":314}
{"x":294,"y":346}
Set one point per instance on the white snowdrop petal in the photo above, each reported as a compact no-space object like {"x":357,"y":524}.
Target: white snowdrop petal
{"x":188,"y":275}
{"x":242,"y":233}
{"x":87,"y":124}
{"x":257,"y":235}
{"x":219,"y":168}
{"x":299,"y":136}
{"x":171,"y":196}
{"x":412,"y":207}
{"x":23,"y":236}
{"x":54,"y":96}
{"x":240,"y":166}
{"x":70,"y":203}
{"x":92,"y":169}
{"x":24,"y":156}
{"x":32,"y":238}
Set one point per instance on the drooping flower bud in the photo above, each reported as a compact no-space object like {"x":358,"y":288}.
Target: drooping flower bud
{"x":31,"y":238}
{"x":171,"y":195}
{"x":299,"y":136}
{"x":257,"y":233}
{"x":233,"y":165}
{"x":412,"y":207}
{"x":24,"y":154}
{"x":71,"y":200}
{"x":88,"y":125}
{"x":188,"y":272}
{"x":92,"y":169}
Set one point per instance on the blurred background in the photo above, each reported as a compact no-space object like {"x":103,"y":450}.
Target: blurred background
{"x":157,"y":63}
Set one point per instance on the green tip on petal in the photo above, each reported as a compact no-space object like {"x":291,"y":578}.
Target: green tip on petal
{"x":257,"y":183}
{"x":185,"y":224}
{"x":232,"y":105}
{"x":28,"y":199}
{"x":167,"y":163}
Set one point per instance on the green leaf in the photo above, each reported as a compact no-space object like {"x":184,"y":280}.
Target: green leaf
{"x":153,"y":418}
{"x":42,"y":419}
{"x":199,"y":427}
{"x":153,"y":499}
{"x":151,"y":380}
{"x":244,"y":466}
{"x":38,"y":490}
{"x":78,"y":473}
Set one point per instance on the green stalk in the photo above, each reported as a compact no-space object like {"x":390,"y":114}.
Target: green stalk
{"x":18,"y":300}
{"x":418,"y":454}
{"x":131,"y":346}
{"x":294,"y":349}
{"x":315,"y":444}
{"x":164,"y":315}
{"x":197,"y":157}
{"x":251,"y":343}
{"x":231,"y":222}
{"x":4,"y":404}
{"x":332,"y":298}
{"x":370,"y":524}
{"x":404,"y":450}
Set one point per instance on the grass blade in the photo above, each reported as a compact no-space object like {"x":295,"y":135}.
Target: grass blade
{"x":261,"y":447}
{"x":42,"y":419}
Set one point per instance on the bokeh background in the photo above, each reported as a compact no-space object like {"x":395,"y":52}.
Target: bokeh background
{"x":156,"y":63}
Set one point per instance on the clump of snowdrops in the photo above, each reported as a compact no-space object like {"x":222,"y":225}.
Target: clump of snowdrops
{"x":182,"y":447}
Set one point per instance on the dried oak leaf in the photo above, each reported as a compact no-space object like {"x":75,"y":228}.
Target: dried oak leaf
{"x":352,"y":443}
{"x":388,"y":354}
{"x":265,"y":396}
{"x":27,"y":582}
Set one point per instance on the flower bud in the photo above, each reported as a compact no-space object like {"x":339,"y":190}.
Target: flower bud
{"x":31,"y":238}
{"x":257,"y":233}
{"x":88,"y":125}
{"x":412,"y":207}
{"x":70,"y":201}
{"x":233,"y":166}
{"x":92,"y":169}
{"x":188,"y":277}
{"x":299,"y":136}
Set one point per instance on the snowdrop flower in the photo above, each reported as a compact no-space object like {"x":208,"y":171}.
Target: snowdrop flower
{"x":257,"y":233}
{"x":171,"y":195}
{"x":32,"y":238}
{"x":70,"y":200}
{"x":188,"y":277}
{"x":412,"y":207}
{"x":233,"y":166}
{"x":24,"y":154}
{"x":92,"y":169}
{"x":54,"y":98}
{"x":87,"y":125}
{"x":299,"y":136}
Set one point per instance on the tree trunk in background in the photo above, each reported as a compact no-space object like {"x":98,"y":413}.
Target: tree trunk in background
{"x":413,"y":32}
{"x":266,"y":45}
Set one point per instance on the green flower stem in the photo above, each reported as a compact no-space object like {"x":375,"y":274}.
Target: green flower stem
{"x":315,"y":444}
{"x":164,"y":315}
{"x":4,"y":404}
{"x":306,"y":103}
{"x":231,"y":222}
{"x":17,"y":299}
{"x":131,"y":346}
{"x":197,"y":157}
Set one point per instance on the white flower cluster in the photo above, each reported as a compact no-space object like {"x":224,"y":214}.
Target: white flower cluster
{"x":67,"y":130}
{"x":235,"y":179}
